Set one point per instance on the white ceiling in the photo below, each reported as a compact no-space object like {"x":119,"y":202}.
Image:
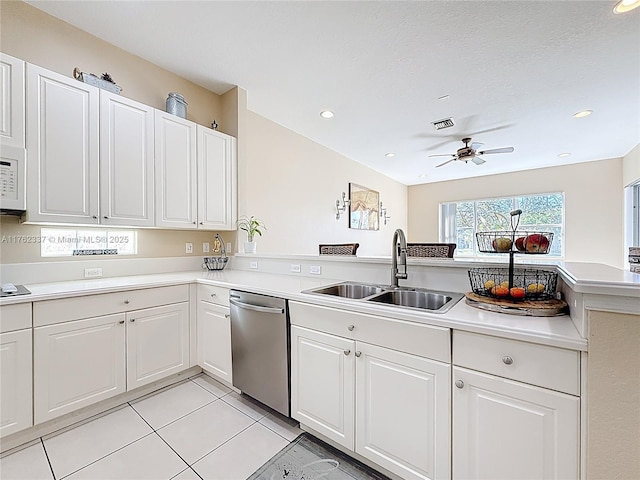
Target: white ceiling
{"x":515,"y":72}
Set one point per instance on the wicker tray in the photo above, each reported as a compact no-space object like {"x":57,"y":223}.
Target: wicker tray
{"x":532,"y":283}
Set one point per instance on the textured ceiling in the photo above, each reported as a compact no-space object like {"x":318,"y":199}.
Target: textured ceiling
{"x":515,"y":73}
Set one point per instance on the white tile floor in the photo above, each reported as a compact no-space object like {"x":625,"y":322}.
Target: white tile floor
{"x":198,"y":429}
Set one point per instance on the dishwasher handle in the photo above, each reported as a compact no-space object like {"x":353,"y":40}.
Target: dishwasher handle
{"x":256,"y":308}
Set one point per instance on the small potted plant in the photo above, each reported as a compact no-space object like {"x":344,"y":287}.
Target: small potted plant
{"x":253,"y":227}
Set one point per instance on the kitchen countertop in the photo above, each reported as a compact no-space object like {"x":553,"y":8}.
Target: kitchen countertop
{"x":555,"y":331}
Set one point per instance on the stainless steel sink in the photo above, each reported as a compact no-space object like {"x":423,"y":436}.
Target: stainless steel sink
{"x":438,"y":302}
{"x":408,"y":297}
{"x":349,"y":290}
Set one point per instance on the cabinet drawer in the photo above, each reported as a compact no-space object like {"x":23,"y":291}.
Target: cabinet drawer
{"x":549,"y":367}
{"x":214,"y":294}
{"x":15,"y":317}
{"x":410,"y":337}
{"x":49,"y":312}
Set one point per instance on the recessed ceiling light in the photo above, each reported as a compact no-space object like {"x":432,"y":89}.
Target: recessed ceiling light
{"x":424,"y":175}
{"x":564,"y":155}
{"x":583,"y":113}
{"x":624,"y":6}
{"x":389,"y":155}
{"x":445,"y":97}
{"x":326,"y":114}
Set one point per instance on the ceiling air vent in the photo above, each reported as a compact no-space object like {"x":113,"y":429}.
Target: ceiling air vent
{"x":446,"y":123}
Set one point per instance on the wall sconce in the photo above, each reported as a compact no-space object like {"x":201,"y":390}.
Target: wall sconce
{"x":341,"y":209}
{"x":383,"y":214}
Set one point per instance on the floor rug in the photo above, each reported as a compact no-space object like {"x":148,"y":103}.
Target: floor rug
{"x":308,"y":458}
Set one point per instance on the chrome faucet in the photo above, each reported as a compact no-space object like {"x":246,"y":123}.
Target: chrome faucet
{"x":399,"y":245}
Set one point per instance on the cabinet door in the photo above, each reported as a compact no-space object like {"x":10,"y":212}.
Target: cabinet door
{"x":11,"y":101}
{"x":214,"y":340}
{"x":77,"y":364}
{"x":323,"y":383}
{"x":402,"y":412}
{"x":126,"y":161}
{"x":157,"y":343}
{"x":216,"y":180}
{"x":175,"y":171}
{"x":504,"y":430}
{"x":15,"y":381}
{"x":62,"y":148}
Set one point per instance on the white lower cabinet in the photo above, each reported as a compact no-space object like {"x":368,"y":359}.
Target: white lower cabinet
{"x":510,"y":430}
{"x":77,"y":364}
{"x":81,"y":362}
{"x":214,"y":332}
{"x":157,"y":343}
{"x":390,"y":407}
{"x":15,"y":380}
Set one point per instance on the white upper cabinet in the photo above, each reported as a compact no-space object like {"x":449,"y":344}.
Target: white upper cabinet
{"x":126,"y":161}
{"x":62,"y":148}
{"x":175,"y":164}
{"x":11,"y":101}
{"x":217,"y":177}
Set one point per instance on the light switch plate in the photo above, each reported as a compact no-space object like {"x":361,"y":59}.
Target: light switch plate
{"x":205,"y":247}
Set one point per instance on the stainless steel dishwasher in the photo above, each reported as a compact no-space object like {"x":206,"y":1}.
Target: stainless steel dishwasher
{"x":260,"y":348}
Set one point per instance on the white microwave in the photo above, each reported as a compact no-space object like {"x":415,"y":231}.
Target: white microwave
{"x":12,"y":180}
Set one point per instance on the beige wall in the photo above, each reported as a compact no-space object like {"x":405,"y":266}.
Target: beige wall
{"x":292,"y":183}
{"x":613,"y":393}
{"x":39,"y":38}
{"x":593,"y":205}
{"x":631,"y":167}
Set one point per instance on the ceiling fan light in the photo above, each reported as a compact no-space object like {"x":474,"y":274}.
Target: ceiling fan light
{"x":624,"y":6}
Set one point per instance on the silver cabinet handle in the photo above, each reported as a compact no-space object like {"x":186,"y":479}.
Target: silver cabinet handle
{"x":132,"y":320}
{"x":201,"y":223}
{"x":226,"y":315}
{"x":351,"y":327}
{"x":121,"y":322}
{"x":507,"y":360}
{"x":347,"y":352}
{"x":214,"y":295}
{"x":459,"y":383}
{"x":357,"y":354}
{"x":194,"y":223}
{"x":126,"y":302}
{"x":256,"y":308}
{"x":105,"y":217}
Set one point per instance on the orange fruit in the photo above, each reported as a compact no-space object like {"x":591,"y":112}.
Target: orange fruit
{"x":517,"y":292}
{"x":501,"y":291}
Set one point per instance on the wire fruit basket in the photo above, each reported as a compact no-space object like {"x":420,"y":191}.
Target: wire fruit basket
{"x":517,"y":285}
{"x":217,"y":263}
{"x":518,"y":241}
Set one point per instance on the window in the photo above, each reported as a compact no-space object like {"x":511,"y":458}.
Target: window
{"x":65,"y":242}
{"x":459,"y":221}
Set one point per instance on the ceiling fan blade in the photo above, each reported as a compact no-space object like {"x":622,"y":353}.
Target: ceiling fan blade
{"x":476,"y":145}
{"x":477,"y":160}
{"x":444,"y":155}
{"x":448,"y":161}
{"x":497,"y":150}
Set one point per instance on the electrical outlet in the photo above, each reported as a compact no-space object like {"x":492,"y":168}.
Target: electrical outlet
{"x":253,"y":265}
{"x":315,"y":269}
{"x":295,"y":268}
{"x":228,"y":247}
{"x":205,"y":247}
{"x":188,"y":247}
{"x":92,"y":272}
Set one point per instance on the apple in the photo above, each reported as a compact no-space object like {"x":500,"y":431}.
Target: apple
{"x":520,"y":244}
{"x":517,"y":292}
{"x":536,"y":243}
{"x":502,"y":244}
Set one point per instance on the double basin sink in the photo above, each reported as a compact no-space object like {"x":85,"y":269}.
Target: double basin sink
{"x":409,"y":297}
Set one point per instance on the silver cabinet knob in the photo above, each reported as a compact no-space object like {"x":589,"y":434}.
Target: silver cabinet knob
{"x":95,"y":217}
{"x":347,"y":352}
{"x":351,"y":327}
{"x":105,"y":216}
{"x":226,"y":315}
{"x":194,"y":223}
{"x":126,"y":302}
{"x":459,"y":383}
{"x":357,"y":354}
{"x":201,"y":223}
{"x":213,"y":295}
{"x":132,"y":320}
{"x":121,"y":322}
{"x":507,"y":360}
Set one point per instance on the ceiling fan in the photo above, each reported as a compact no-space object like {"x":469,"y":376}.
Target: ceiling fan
{"x":470,"y":152}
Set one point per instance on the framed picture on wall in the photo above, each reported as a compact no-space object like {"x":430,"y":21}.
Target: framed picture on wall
{"x":364,"y":208}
